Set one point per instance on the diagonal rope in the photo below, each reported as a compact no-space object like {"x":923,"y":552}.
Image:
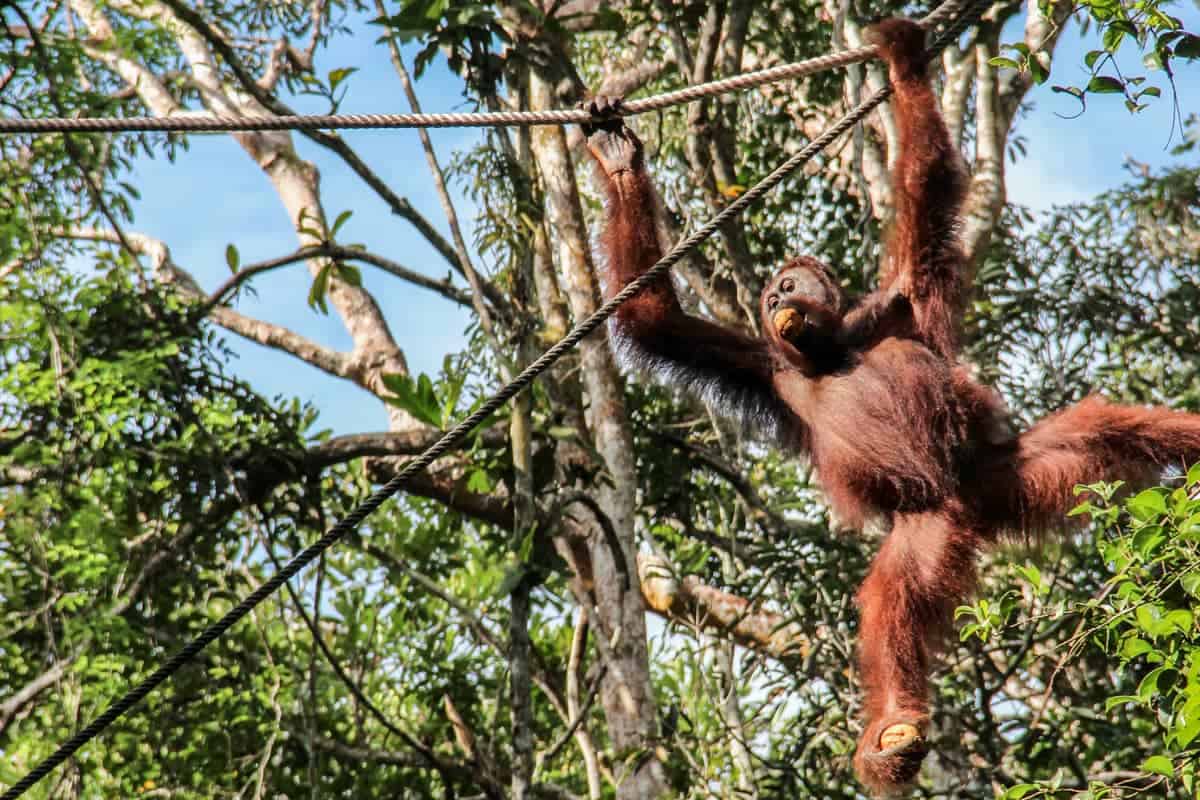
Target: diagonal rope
{"x":967,"y":10}
{"x":217,"y":122}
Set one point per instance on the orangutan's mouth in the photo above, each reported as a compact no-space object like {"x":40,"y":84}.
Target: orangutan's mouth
{"x":789,"y":322}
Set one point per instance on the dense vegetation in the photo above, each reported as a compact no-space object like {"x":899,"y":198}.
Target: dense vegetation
{"x":484,"y":634}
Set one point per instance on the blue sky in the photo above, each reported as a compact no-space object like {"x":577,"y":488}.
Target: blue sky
{"x":213,"y":195}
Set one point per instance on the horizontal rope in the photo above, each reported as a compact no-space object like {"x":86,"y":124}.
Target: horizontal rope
{"x":219,"y":123}
{"x":968,"y":10}
{"x":213,"y":123}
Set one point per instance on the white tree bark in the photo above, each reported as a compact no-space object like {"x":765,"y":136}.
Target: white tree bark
{"x":295,"y":180}
{"x":626,"y":694}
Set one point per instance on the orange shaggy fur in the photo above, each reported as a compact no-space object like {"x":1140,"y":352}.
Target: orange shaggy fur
{"x":872,"y":392}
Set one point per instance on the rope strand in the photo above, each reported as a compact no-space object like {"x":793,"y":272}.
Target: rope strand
{"x":213,"y":123}
{"x":967,"y":9}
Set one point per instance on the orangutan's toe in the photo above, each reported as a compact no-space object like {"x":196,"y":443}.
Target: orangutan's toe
{"x":898,"y":737}
{"x":889,"y":760}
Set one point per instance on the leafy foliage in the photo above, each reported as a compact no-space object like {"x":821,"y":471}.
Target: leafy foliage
{"x":1158,"y":36}
{"x":144,"y":491}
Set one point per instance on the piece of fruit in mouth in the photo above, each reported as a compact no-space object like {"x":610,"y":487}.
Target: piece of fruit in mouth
{"x":788,"y":321}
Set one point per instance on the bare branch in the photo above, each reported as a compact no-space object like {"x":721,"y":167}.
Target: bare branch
{"x":579,"y":715}
{"x":997,"y":102}
{"x":334,"y":251}
{"x":284,"y":339}
{"x":959,"y":67}
{"x":16,"y":701}
{"x":341,"y":449}
{"x":264,"y":333}
{"x":398,"y":205}
{"x":691,"y":602}
{"x":583,"y":736}
{"x":985,"y":198}
{"x":102,"y":46}
{"x":478,"y":288}
{"x":448,"y":488}
{"x":360,"y":755}
{"x":275,"y":64}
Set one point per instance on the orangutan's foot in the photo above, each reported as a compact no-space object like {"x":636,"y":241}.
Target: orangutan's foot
{"x":890,"y":754}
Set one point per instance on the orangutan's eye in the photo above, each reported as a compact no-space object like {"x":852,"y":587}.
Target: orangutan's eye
{"x":772,"y":302}
{"x":788,"y":285}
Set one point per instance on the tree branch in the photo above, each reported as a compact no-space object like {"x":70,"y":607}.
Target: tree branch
{"x":478,"y":287}
{"x":360,"y":755}
{"x":398,"y":205}
{"x":691,"y":602}
{"x":15,"y":702}
{"x":274,"y":336}
{"x":340,"y":449}
{"x":448,"y":488}
{"x":101,"y":45}
{"x":334,"y":251}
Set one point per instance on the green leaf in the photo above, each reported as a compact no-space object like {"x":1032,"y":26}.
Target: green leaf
{"x":349,"y":273}
{"x":414,"y":396}
{"x":1091,"y":57}
{"x":1185,"y":734}
{"x":339,"y":222}
{"x":1018,"y":791}
{"x":1102,"y":84}
{"x":1188,"y":46}
{"x":1160,"y":21}
{"x":319,"y":290}
{"x":1148,"y":540}
{"x":1148,"y":688}
{"x":1180,"y":620}
{"x":1119,"y":700}
{"x":1077,"y":93}
{"x":1134,"y":647}
{"x":1039,"y":67}
{"x":1032,"y":575}
{"x":1113,"y":36}
{"x":232,"y":258}
{"x":1158,"y":765}
{"x":1006,"y":63}
{"x":478,"y":482}
{"x":336,"y":76}
{"x":1150,"y":504}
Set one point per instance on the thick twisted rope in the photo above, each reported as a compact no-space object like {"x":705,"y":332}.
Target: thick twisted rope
{"x":215,"y":123}
{"x":968,"y":10}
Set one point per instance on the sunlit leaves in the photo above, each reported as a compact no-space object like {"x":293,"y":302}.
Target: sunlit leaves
{"x":1157,"y":35}
{"x":433,"y":405}
{"x":1151,"y":613}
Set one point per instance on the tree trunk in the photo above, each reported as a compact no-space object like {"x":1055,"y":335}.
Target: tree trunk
{"x":626,"y":693}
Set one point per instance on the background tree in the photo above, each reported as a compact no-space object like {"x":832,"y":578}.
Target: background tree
{"x":607,"y":593}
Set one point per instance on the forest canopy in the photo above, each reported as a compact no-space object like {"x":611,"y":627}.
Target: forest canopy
{"x":608,"y":592}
